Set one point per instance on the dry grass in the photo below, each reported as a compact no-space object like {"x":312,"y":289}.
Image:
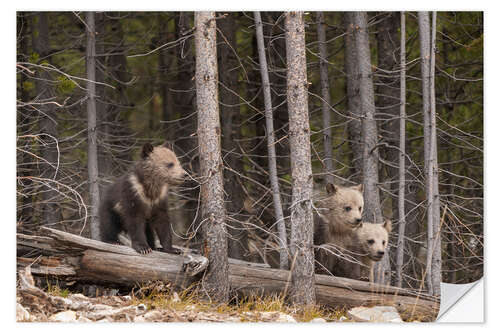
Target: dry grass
{"x":190,"y":299}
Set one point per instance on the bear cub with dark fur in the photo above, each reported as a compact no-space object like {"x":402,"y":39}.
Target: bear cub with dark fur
{"x":137,"y":202}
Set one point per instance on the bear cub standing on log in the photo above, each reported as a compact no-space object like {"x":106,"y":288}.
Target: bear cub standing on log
{"x":137,"y":202}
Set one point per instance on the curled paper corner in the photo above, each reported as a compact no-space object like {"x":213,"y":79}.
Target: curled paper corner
{"x":462,"y":303}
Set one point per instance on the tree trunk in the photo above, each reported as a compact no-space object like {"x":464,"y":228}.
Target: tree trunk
{"x":47,"y":124}
{"x":93,"y":169}
{"x":102,"y":111}
{"x":433,"y":173}
{"x":230,"y":118}
{"x":325,"y":94}
{"x":353,"y":98}
{"x":402,"y":141}
{"x":301,"y":240}
{"x":433,"y":259}
{"x":372,"y":210}
{"x":424,"y":35}
{"x":213,"y":212}
{"x":273,"y":174}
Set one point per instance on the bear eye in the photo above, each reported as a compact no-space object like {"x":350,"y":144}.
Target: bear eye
{"x":383,"y":242}
{"x":360,"y":208}
{"x":347,"y":209}
{"x":371,"y":241}
{"x":170,"y":165}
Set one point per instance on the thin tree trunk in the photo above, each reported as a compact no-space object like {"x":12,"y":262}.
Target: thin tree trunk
{"x":91,"y":128}
{"x":273,"y":174}
{"x":372,"y":210}
{"x":103,"y":115}
{"x":216,"y":280}
{"x":402,"y":141}
{"x":436,"y":226}
{"x":353,"y":97}
{"x":325,"y":93}
{"x":301,"y":240}
{"x":230,"y":118}
{"x":433,"y":259}
{"x":424,"y":34}
{"x":48,"y":125}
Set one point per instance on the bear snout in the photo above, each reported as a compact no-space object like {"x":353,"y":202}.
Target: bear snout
{"x":380,"y":253}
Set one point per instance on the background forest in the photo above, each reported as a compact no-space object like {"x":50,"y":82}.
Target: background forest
{"x":145,"y":92}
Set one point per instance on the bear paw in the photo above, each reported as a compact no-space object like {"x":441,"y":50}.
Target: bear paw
{"x":142,"y":248}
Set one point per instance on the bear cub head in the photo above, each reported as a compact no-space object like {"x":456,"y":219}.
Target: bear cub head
{"x":161,"y":164}
{"x":343,"y":206}
{"x":373,"y":239}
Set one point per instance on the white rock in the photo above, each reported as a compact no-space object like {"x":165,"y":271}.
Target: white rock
{"x":139,"y":319}
{"x":276,"y":316}
{"x":387,"y":314}
{"x":21,"y":313}
{"x":176,"y":298}
{"x":64,"y":316}
{"x":318,"y":320}
{"x":84,"y":320}
{"x":78,"y":296}
{"x":152,"y":315}
{"x":285,"y":318}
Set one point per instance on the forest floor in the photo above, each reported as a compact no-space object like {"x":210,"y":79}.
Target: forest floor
{"x":155,"y":303}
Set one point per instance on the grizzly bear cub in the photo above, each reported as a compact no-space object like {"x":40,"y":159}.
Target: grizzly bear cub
{"x":137,"y":202}
{"x":371,"y":243}
{"x":337,"y":219}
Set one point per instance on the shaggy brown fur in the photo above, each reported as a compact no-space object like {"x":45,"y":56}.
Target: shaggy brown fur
{"x":137,"y":202}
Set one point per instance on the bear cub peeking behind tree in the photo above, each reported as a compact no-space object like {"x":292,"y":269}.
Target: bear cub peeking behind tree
{"x":137,"y":202}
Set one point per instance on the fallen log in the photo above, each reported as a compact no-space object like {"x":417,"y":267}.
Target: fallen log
{"x":70,"y":256}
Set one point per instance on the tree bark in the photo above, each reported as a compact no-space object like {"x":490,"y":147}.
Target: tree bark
{"x":93,"y":169}
{"x":230,"y":118}
{"x":433,"y":173}
{"x":325,"y":94}
{"x":213,"y":212}
{"x":67,"y":256}
{"x":273,"y":173}
{"x":402,"y":141}
{"x":301,"y":238}
{"x":372,"y":210}
{"x":47,"y":124}
{"x":353,"y":98}
{"x":433,"y":259}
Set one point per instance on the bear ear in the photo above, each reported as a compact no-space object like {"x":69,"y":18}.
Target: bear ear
{"x":388,"y":225}
{"x":168,"y":145}
{"x":330,"y":188}
{"x":147,"y":148}
{"x":358,"y":188}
